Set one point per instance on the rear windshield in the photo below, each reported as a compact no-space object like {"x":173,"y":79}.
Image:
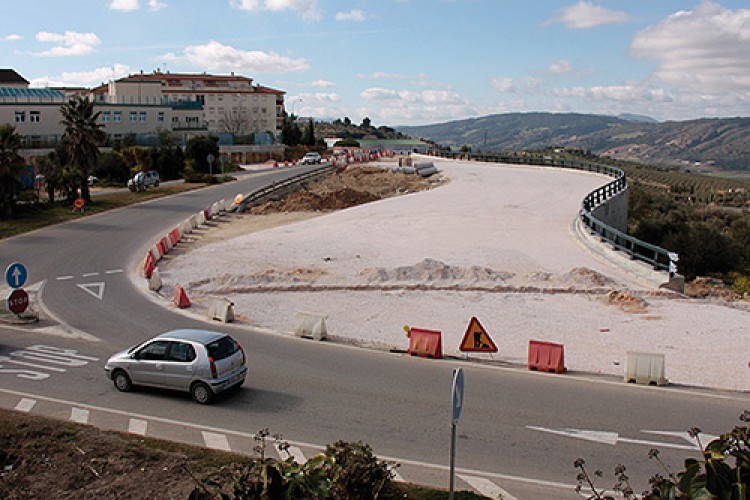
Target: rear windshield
{"x":222,"y":348}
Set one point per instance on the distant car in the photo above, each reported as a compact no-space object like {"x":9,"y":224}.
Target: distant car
{"x":201,"y":362}
{"x":143,"y":180}
{"x":93,"y":180}
{"x":311,"y":158}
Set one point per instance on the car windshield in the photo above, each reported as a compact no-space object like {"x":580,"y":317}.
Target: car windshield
{"x":222,"y":348}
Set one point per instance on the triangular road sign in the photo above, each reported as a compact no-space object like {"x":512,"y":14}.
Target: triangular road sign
{"x":476,"y":339}
{"x":95,"y":289}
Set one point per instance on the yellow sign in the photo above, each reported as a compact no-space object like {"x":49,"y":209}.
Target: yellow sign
{"x":476,"y":339}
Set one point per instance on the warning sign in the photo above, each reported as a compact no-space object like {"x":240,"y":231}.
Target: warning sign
{"x":476,"y":339}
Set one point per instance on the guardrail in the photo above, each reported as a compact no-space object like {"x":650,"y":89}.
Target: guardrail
{"x":659,"y":258}
{"x":274,"y":187}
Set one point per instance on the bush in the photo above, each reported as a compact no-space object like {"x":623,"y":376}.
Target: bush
{"x":361,"y":475}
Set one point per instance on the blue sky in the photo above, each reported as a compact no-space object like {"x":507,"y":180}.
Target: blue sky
{"x":407,"y":62}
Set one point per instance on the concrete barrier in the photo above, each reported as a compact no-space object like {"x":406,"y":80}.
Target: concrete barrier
{"x":311,"y":325}
{"x":180,"y":297}
{"x":154,"y":282}
{"x":168,"y":242}
{"x":156,"y":252}
{"x":222,"y":310}
{"x":645,"y":368}
{"x":200,"y":219}
{"x":546,"y":356}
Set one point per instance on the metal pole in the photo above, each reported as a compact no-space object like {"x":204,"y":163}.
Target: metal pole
{"x":453,"y":461}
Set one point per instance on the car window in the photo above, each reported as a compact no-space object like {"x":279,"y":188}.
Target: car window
{"x":182,"y":352}
{"x":155,"y":351}
{"x":222,"y":348}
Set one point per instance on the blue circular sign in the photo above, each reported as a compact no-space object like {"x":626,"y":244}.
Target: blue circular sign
{"x":16,"y":275}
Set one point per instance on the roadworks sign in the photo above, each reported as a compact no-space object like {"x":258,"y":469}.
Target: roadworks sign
{"x":476,"y":339}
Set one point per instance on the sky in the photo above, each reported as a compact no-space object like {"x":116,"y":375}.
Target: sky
{"x":407,"y":62}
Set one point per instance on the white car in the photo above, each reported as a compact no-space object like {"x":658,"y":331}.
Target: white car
{"x":201,"y":362}
{"x":143,"y":180}
{"x":311,"y":158}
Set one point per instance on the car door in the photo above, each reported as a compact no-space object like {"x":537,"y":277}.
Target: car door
{"x":148,"y":363}
{"x":180,"y":365}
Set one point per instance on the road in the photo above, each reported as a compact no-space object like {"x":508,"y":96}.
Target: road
{"x":511,"y":433}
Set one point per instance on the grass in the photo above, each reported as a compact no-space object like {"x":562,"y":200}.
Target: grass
{"x":37,"y":215}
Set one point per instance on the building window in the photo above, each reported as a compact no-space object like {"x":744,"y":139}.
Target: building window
{"x":117,"y":118}
{"x":175,"y":119}
{"x":160,"y":117}
{"x":192,"y":120}
{"x":105,"y":116}
{"x":142,"y":117}
{"x":34,"y":117}
{"x":20,"y":116}
{"x":201,"y":99}
{"x":133,"y":116}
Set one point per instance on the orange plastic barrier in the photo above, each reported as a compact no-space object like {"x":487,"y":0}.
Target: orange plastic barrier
{"x":207,"y":213}
{"x":180,"y":297}
{"x":546,"y":356}
{"x":174,"y":236}
{"x":425,"y":343}
{"x":149,"y":266}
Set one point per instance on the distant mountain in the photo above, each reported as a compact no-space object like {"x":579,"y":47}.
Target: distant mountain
{"x":721,"y":142}
{"x":628,"y":117}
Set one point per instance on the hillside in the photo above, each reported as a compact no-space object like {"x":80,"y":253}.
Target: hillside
{"x":722,"y":144}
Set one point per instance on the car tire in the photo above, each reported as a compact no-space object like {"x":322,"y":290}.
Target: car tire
{"x":156,"y":184}
{"x":122,"y":381}
{"x":201,"y":393}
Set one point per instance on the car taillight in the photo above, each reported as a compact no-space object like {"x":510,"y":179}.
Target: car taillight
{"x":213,"y":368}
{"x":244,"y":360}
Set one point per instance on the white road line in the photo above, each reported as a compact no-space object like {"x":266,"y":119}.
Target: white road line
{"x":113,"y":271}
{"x":87,"y":275}
{"x":25,"y":405}
{"x":294,"y":451}
{"x":487,"y":488}
{"x":216,"y":441}
{"x":79,"y":415}
{"x":396,"y":476}
{"x":137,"y":426}
{"x":63,"y":278}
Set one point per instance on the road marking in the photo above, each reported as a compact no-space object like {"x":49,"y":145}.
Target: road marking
{"x":6,"y":359}
{"x":609,"y":438}
{"x":487,"y":488}
{"x":292,"y":451}
{"x":216,"y":441}
{"x":63,"y":278}
{"x":137,"y":426}
{"x":211,"y":430}
{"x":396,"y":476}
{"x":79,"y":415}
{"x":25,"y":405}
{"x":113,"y":271}
{"x":705,"y":438}
{"x":87,"y":275}
{"x":90,"y":287}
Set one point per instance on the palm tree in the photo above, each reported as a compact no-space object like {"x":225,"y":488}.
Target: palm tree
{"x":11,"y":164}
{"x":82,"y":137}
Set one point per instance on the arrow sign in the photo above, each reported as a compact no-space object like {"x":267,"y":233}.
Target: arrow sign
{"x":95,"y":289}
{"x":613,"y":438}
{"x":16,"y":275}
{"x":457,"y":395}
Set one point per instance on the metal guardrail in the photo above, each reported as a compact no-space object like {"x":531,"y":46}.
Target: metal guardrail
{"x":659,"y":258}
{"x":274,"y":187}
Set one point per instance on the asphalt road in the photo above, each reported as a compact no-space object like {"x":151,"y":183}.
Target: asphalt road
{"x":511,"y":432}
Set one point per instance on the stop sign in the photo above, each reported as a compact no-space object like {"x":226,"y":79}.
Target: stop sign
{"x":18,"y":301}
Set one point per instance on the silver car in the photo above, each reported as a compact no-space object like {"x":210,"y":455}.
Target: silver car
{"x":201,"y":362}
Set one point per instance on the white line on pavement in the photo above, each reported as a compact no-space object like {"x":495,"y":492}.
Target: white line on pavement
{"x":25,"y":405}
{"x":137,"y":426}
{"x":63,"y":278}
{"x":216,"y":441}
{"x":87,"y":275}
{"x":487,"y":487}
{"x":113,"y":271}
{"x":79,"y":415}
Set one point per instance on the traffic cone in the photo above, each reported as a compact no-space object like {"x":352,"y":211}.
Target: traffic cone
{"x":180,"y":297}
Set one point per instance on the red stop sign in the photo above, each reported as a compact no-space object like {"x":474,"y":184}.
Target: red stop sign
{"x":18,"y":301}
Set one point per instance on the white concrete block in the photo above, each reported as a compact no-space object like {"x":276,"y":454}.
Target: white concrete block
{"x":645,"y":368}
{"x":311,"y":325}
{"x":221,"y":309}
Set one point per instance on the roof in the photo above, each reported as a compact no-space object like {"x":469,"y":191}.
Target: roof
{"x":31,"y":93}
{"x":200,"y":336}
{"x":10,"y":76}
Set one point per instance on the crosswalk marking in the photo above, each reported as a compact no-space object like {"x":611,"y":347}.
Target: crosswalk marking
{"x":294,"y":451}
{"x":487,"y":487}
{"x":79,"y":415}
{"x":137,"y":426}
{"x":25,"y":405}
{"x":216,"y":441}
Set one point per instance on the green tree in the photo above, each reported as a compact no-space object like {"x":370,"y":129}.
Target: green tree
{"x":11,"y":164}
{"x":366,"y":123}
{"x":82,"y":137}
{"x":308,"y":137}
{"x":197,"y":151}
{"x":291,"y":135}
{"x":112,"y":167}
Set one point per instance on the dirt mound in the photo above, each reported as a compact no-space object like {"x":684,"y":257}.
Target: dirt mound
{"x":431,"y":270}
{"x":626,"y":301}
{"x":587,"y":277}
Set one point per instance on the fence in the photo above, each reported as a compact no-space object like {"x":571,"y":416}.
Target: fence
{"x":659,"y":258}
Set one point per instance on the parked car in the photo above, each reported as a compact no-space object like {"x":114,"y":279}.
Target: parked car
{"x":143,"y":180}
{"x":201,"y":362}
{"x":311,"y":158}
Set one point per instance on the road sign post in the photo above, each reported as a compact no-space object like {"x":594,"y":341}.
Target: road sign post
{"x":457,"y":399}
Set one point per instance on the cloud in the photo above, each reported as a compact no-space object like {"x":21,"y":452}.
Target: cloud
{"x":560,"y":67}
{"x":307,"y":9}
{"x":323,"y":84}
{"x":124,"y":5}
{"x":70,"y":43}
{"x":215,"y":56}
{"x":354,"y":15}
{"x":584,"y":15}
{"x":705,"y":51}
{"x":631,"y":92}
{"x":427,"y":97}
{"x":319,"y":97}
{"x":83,"y":78}
{"x":505,"y":85}
{"x":156,"y":5}
{"x":13,"y":38}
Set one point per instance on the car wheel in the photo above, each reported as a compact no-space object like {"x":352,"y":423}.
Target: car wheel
{"x":156,"y":184}
{"x":201,"y":393}
{"x":122,"y":381}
